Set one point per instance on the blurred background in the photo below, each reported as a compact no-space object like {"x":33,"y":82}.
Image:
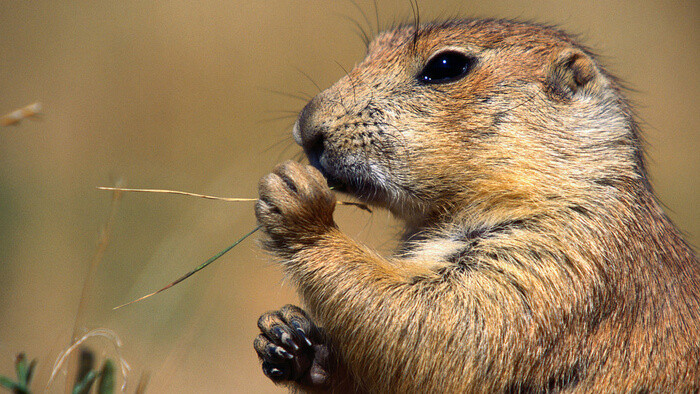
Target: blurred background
{"x":198,"y":96}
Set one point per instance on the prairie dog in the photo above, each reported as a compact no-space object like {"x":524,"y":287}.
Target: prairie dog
{"x":535,"y":256}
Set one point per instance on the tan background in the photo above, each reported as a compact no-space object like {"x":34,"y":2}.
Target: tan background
{"x":178,"y":95}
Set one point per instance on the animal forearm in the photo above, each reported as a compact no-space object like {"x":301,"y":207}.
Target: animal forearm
{"x":390,"y":320}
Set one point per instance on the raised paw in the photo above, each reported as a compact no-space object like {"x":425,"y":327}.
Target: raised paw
{"x":291,"y":348}
{"x":295,"y":206}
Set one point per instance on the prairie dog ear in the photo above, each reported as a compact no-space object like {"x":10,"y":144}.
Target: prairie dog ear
{"x":572,"y":71}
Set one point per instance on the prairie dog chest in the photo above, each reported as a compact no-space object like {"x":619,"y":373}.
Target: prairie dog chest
{"x":436,"y":253}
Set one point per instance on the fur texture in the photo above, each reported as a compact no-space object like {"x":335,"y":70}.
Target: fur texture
{"x":535,"y":258}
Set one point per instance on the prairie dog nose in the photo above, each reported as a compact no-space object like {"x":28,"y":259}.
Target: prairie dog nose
{"x":305,"y":133}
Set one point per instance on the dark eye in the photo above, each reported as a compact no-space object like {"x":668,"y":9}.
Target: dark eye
{"x":446,"y":67}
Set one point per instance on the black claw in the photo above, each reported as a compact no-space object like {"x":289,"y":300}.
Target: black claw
{"x":284,"y":353}
{"x":285,"y":338}
{"x":301,"y":333}
{"x":276,"y":372}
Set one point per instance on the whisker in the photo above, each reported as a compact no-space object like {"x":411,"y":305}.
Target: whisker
{"x":364,"y":15}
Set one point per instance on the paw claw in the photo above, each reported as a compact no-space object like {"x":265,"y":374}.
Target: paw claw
{"x":301,"y":333}
{"x":287,"y":339}
{"x":283,"y":353}
{"x":274,"y":372}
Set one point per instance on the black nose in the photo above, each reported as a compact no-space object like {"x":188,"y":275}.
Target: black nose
{"x":306,"y":133}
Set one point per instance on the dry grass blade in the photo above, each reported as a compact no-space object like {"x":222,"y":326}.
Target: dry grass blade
{"x":91,"y":273}
{"x":143,"y":382}
{"x":19,"y":115}
{"x":165,"y":191}
{"x":360,"y":205}
{"x":104,"y":333}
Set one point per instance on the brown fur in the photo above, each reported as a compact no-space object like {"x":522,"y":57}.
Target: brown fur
{"x":536,"y":257}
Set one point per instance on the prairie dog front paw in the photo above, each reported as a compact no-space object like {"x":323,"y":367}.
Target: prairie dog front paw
{"x":292,"y":348}
{"x":295,"y":206}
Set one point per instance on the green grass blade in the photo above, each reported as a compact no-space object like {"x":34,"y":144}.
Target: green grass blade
{"x":9,"y":383}
{"x":21,"y":368}
{"x":30,"y":372}
{"x":106,"y":383}
{"x":83,"y":387}
{"x":194,"y":271}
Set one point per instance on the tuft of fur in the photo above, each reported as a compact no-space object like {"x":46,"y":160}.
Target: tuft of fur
{"x":535,"y":258}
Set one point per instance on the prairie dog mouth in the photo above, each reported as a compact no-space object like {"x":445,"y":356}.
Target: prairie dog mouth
{"x":347,"y":172}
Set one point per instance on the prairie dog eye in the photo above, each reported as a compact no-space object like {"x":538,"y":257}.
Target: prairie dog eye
{"x":446,"y":67}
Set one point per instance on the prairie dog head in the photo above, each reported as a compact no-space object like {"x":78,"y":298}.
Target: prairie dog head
{"x":484,"y":117}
